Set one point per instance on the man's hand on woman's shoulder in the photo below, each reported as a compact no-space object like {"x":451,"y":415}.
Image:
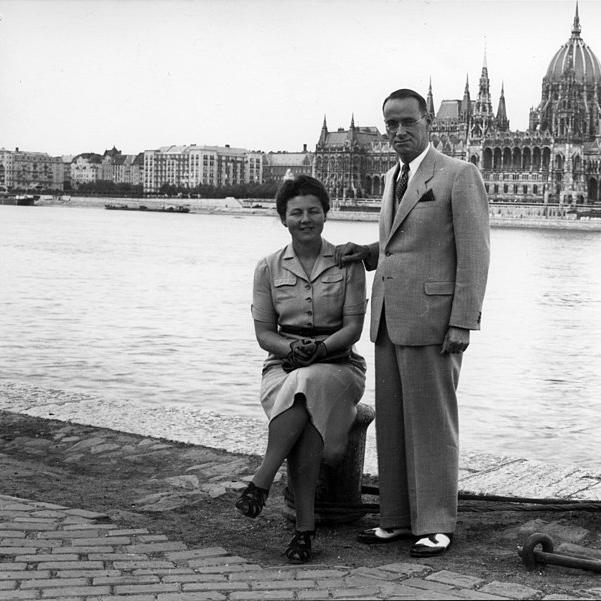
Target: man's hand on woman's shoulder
{"x":349,"y":253}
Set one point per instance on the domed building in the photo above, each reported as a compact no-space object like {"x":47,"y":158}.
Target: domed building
{"x":555,"y":163}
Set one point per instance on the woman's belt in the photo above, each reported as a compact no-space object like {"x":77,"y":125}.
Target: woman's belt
{"x":308,"y":332}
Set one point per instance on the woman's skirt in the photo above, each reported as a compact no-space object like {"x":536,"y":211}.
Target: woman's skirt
{"x":331,"y":391}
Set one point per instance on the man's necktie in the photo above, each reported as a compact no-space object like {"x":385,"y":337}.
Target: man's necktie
{"x":401,"y":185}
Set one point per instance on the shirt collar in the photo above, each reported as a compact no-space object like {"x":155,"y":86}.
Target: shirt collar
{"x":326,"y":250}
{"x":415,"y":163}
{"x":324,"y":261}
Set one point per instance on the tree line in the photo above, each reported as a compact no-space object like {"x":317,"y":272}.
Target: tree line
{"x":108,"y":188}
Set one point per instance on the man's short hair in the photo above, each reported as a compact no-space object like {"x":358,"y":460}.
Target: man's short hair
{"x":407,"y":93}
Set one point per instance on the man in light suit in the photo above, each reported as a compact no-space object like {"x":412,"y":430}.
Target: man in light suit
{"x":431,"y":268}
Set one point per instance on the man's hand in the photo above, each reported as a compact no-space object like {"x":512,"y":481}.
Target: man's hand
{"x":456,"y":340}
{"x":350,"y":252}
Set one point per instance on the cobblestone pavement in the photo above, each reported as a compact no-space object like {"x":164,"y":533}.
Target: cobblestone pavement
{"x":52,"y":552}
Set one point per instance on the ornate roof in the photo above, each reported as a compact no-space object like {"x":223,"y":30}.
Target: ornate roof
{"x":576,"y":55}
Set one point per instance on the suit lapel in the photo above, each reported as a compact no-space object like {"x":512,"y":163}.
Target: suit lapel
{"x":417,"y":187}
{"x":386,"y":212}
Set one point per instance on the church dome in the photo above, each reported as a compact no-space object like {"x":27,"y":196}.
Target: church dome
{"x":577,"y":55}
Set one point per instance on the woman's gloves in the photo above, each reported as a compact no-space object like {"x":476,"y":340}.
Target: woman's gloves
{"x":303,"y":352}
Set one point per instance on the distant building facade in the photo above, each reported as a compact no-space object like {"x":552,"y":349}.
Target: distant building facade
{"x":30,"y":171}
{"x":193,"y":166}
{"x":85,"y":169}
{"x":352,"y":163}
{"x":276,"y":165}
{"x":122,"y":168}
{"x":556,"y":160}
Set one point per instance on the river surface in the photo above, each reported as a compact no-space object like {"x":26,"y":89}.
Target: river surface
{"x":155,"y":308}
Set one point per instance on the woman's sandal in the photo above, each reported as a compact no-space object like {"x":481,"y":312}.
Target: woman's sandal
{"x":252,"y":500}
{"x":299,"y":549}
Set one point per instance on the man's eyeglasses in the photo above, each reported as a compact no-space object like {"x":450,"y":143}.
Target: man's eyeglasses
{"x":393,"y":126}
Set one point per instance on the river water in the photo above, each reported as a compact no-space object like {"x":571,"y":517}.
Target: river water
{"x":156,"y":308}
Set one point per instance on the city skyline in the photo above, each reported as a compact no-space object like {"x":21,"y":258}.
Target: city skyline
{"x":84,"y":75}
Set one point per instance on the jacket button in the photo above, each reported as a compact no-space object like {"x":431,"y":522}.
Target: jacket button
{"x":387,"y":253}
{"x":309,"y":312}
{"x":308,"y":286}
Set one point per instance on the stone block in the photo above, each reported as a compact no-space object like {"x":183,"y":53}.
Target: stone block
{"x":407,"y":569}
{"x":455,"y":579}
{"x":189,"y":481}
{"x":511,"y":590}
{"x":526,"y":479}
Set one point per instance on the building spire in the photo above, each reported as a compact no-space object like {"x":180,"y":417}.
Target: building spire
{"x":466,"y":103}
{"x":352,"y":120}
{"x":324,"y":131}
{"x":501,"y":119}
{"x":430,"y":100}
{"x":576,"y":25}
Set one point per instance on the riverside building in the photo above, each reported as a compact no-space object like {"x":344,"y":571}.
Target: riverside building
{"x":122,"y":168}
{"x":85,"y":169}
{"x":556,"y":161}
{"x":193,"y":166}
{"x":278,"y":165}
{"x":30,"y":171}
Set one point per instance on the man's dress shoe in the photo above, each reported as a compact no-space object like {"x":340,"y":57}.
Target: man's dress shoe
{"x":430,"y":545}
{"x":374,"y":536}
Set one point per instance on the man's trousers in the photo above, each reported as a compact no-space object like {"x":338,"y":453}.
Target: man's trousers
{"x":417,"y":435}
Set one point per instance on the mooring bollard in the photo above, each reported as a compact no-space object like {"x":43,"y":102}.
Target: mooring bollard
{"x":532,"y":557}
{"x":338,"y":495}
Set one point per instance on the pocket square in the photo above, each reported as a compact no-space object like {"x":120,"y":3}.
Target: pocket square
{"x":427,"y":197}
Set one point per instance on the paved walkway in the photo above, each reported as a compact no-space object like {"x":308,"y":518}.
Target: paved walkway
{"x":53,"y":552}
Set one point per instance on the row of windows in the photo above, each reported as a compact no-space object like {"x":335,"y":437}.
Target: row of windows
{"x":512,"y":188}
{"x":514,"y":176}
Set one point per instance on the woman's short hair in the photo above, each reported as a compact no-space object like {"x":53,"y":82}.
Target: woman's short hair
{"x":300,"y":185}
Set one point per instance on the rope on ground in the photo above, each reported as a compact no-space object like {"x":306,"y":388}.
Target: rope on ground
{"x":467,"y":503}
{"x":471,"y":503}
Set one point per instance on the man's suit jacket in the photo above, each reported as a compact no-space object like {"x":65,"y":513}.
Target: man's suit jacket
{"x":432,"y":260}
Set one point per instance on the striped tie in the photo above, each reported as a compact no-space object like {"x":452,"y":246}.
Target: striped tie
{"x":401,"y":186}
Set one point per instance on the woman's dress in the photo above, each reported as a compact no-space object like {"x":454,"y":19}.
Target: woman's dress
{"x":284,"y":294}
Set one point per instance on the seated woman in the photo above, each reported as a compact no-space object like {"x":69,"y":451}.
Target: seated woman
{"x":308,"y":313}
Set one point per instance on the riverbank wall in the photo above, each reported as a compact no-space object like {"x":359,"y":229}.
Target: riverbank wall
{"x":201,"y":207}
{"x":481,"y":473}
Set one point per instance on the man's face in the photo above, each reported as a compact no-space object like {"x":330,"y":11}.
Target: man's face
{"x":407,"y":128}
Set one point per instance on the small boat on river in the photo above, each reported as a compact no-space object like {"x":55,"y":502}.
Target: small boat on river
{"x":21,"y":200}
{"x":140,"y":207}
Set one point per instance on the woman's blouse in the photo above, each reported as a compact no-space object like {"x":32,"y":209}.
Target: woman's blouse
{"x":284,"y":295}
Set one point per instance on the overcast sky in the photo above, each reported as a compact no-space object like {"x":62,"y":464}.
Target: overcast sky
{"x":84,"y":75}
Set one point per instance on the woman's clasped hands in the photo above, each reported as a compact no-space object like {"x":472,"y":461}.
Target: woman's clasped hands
{"x":304,"y":352}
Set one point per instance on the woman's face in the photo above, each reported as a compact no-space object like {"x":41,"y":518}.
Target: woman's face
{"x":304,"y":218}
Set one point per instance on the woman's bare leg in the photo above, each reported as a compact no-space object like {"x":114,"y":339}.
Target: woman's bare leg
{"x":304,"y":461}
{"x":284,"y":432}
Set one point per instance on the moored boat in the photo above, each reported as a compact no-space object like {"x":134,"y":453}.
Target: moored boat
{"x":22,"y":200}
{"x":164,"y":209}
